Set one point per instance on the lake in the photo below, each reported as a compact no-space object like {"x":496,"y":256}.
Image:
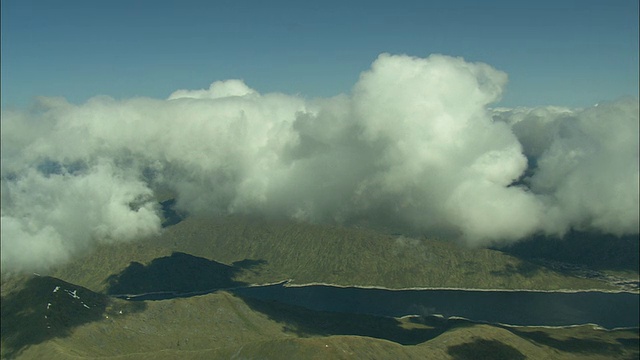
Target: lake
{"x":524,"y":308}
{"x":527,"y":308}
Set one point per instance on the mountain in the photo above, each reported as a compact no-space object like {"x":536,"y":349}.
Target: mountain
{"x":266,"y":251}
{"x":71,"y":312}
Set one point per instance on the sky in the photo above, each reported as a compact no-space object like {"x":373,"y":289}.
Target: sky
{"x":484,"y":125}
{"x":567,"y":53}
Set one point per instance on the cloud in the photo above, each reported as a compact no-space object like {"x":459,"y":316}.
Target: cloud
{"x":414,"y":148}
{"x":47,"y":218}
{"x":586,"y":165}
{"x":218,"y":89}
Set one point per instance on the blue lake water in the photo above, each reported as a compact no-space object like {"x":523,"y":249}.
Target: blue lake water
{"x":528,"y":308}
{"x":525,"y":308}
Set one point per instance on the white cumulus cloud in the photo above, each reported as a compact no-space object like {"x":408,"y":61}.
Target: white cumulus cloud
{"x":414,"y":148}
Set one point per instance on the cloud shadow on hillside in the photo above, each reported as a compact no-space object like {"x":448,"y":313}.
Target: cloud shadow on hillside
{"x":594,"y":251}
{"x":306,"y":323}
{"x":169,"y":214}
{"x":576,"y":345}
{"x":178,"y":273}
{"x":484,"y":349}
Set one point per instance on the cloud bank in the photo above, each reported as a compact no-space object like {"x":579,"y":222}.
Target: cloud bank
{"x":414,"y":148}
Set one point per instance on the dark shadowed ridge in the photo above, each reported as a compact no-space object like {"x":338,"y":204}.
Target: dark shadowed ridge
{"x":44,"y":308}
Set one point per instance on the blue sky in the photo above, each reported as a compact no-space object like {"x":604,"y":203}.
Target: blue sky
{"x":557,"y":52}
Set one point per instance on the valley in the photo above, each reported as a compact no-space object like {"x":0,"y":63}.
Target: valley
{"x":205,"y":259}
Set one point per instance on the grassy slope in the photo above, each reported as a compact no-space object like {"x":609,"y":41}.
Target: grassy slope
{"x":326,"y":254}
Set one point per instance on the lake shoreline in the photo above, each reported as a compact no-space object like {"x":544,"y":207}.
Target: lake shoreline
{"x":289,"y":283}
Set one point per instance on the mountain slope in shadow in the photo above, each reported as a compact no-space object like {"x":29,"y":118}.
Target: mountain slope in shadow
{"x":596,"y":251}
{"x":178,"y":273}
{"x":45,"y":308}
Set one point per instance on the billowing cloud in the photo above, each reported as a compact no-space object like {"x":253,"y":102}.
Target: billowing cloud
{"x":585,"y":165}
{"x":48,"y":217}
{"x":414,"y":148}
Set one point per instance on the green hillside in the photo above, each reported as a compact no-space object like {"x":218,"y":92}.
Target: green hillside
{"x":270,"y":251}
